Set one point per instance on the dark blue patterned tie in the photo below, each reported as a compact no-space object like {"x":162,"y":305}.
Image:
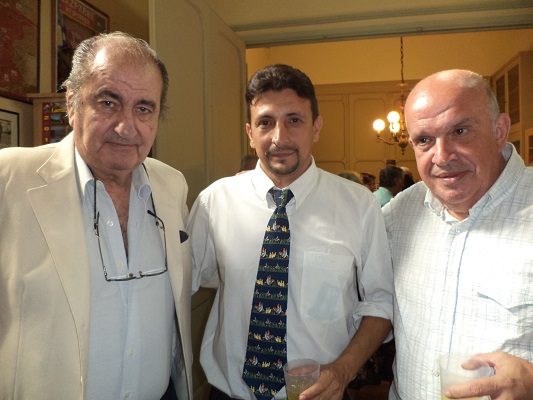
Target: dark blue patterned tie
{"x":266,"y":351}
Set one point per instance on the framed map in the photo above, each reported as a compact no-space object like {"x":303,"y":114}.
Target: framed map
{"x":9,"y":129}
{"x":19,"y":48}
{"x":76,"y":20}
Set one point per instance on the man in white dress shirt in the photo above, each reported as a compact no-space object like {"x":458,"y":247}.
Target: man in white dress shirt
{"x":462,"y":245}
{"x":338,"y":247}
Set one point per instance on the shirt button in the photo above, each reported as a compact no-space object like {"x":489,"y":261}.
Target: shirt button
{"x":110,"y":223}
{"x":120,"y":265}
{"x":127,"y":395}
{"x":457,"y":230}
{"x":131,"y":352}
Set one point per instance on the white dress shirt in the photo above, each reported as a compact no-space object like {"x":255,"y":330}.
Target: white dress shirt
{"x":461,"y":286}
{"x":131,"y":324}
{"x":337,"y":230}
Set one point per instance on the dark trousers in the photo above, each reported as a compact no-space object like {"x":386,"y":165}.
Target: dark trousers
{"x":170,"y":394}
{"x":220,"y":395}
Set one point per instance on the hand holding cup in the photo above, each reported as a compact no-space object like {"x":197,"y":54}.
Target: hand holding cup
{"x":460,"y":368}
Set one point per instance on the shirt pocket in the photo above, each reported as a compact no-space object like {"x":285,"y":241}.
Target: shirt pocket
{"x":509,"y":297}
{"x":326,"y":280}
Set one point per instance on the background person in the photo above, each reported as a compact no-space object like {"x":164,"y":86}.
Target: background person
{"x":248,"y":162}
{"x":353,"y":176}
{"x":462,"y":244}
{"x":336,"y":250}
{"x":80,"y":218}
{"x":408,"y":179}
{"x":391,"y":182}
{"x":369,"y":181}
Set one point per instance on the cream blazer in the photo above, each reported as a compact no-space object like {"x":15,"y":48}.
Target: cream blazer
{"x":44,"y":273}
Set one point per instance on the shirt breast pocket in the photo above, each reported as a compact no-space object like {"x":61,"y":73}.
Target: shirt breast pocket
{"x":509,"y":297}
{"x":325,"y":289}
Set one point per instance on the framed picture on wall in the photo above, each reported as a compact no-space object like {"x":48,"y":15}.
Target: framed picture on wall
{"x":529,"y":146}
{"x":9,"y":129}
{"x":75,"y":21}
{"x":19,"y":49}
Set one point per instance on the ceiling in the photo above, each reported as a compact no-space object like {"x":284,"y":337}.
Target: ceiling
{"x":279,"y":22}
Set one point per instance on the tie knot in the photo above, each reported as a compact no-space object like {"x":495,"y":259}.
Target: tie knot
{"x":281,"y":197}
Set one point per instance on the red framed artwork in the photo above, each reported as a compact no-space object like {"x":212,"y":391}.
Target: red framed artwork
{"x":19,"y":48}
{"x":76,"y":20}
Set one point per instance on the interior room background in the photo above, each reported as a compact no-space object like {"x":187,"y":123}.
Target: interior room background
{"x":345,"y":72}
{"x":356,"y":80}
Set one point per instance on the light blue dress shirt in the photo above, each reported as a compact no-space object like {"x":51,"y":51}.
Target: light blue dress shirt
{"x":384,"y":195}
{"x":132,"y":322}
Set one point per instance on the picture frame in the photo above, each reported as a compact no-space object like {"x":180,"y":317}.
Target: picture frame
{"x":529,"y":146}
{"x":73,"y":22}
{"x":9,"y":129}
{"x":19,"y":49}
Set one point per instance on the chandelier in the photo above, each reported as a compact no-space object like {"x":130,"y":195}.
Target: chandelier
{"x":397,"y":131}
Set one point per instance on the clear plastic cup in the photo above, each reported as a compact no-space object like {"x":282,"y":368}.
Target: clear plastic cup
{"x":461,"y":368}
{"x":300,"y":374}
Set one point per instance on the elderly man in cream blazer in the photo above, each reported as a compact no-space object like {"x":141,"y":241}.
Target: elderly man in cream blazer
{"x":95,"y":268}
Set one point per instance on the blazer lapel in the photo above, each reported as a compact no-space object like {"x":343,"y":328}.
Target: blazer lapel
{"x":57,"y":208}
{"x":166,"y":209}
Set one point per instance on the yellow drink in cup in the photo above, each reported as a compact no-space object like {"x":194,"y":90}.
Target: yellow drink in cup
{"x":300,"y":375}
{"x":295,"y":390}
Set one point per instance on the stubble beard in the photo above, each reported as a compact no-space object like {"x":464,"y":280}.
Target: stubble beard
{"x":282,"y":168}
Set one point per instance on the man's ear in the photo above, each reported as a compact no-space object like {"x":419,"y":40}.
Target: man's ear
{"x":317,"y":125}
{"x":249,"y":133}
{"x":71,"y":109}
{"x":503,"y":125}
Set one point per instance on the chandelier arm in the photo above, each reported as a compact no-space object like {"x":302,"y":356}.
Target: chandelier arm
{"x":380,"y":139}
{"x":398,"y":135}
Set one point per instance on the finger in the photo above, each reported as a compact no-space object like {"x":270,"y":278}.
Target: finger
{"x":473,"y":388}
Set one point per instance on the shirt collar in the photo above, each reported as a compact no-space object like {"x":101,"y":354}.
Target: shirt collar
{"x":494,"y":196}
{"x":300,"y":188}
{"x":140,"y":180}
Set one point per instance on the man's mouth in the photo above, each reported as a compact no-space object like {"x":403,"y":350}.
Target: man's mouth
{"x":450,"y":177}
{"x":281,"y":153}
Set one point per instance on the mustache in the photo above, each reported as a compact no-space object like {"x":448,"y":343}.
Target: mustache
{"x":114,"y":138}
{"x":450,"y":166}
{"x":275,"y":149}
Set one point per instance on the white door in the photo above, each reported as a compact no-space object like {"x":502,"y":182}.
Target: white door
{"x":203,"y":134}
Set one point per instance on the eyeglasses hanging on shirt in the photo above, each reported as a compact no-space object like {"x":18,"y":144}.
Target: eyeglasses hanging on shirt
{"x":141,"y":274}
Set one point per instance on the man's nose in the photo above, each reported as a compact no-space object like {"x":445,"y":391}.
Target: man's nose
{"x":443,"y":152}
{"x":124,"y":126}
{"x":280,"y":135}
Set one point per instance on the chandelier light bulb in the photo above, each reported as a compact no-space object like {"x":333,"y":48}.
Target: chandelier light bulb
{"x":378,"y":125}
{"x":394,"y":127}
{"x":393,"y":117}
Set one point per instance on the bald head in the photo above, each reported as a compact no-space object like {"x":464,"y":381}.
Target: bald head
{"x":451,"y":83}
